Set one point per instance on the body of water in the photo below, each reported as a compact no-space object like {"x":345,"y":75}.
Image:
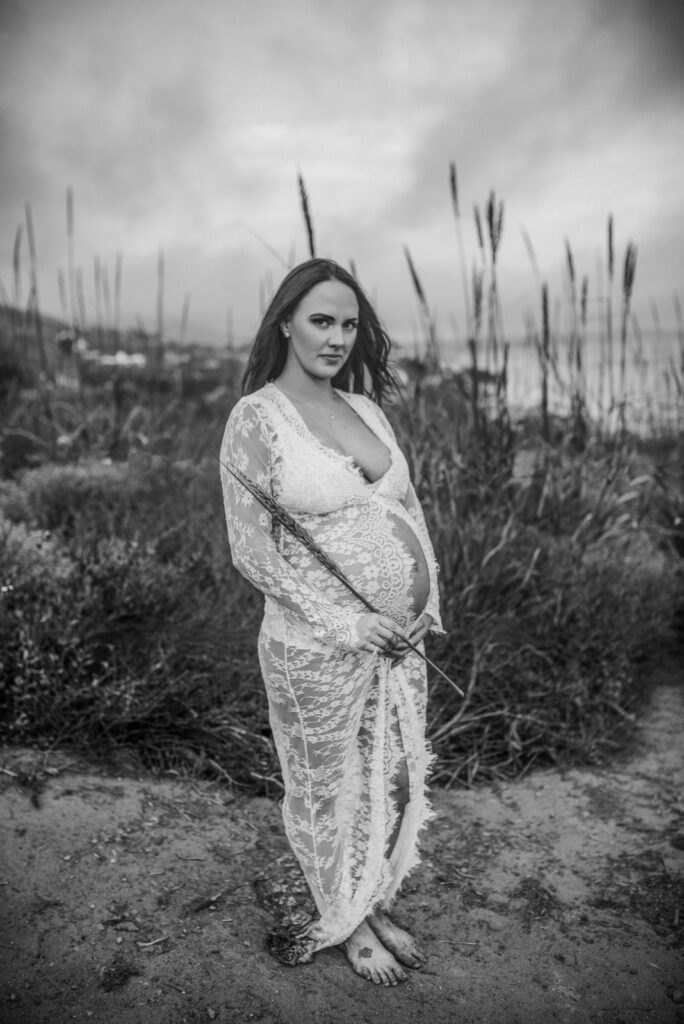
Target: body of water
{"x":653,"y":378}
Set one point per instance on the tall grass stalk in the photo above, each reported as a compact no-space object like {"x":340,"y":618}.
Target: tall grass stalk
{"x":576,"y":339}
{"x":230,"y":329}
{"x":34,"y":302}
{"x":479,"y":233}
{"x":432,"y":346}
{"x":495,"y":213}
{"x":544,"y":364}
{"x":107,"y":305}
{"x":70,"y":258}
{"x":680,"y":330}
{"x":601,"y":382}
{"x":185,"y":313}
{"x":532,"y":256}
{"x":16,"y":266}
{"x":80,"y":295}
{"x":16,"y":294}
{"x":629,"y":271}
{"x":478,"y":278}
{"x":453,"y":187}
{"x":574,"y":318}
{"x":584,"y":301}
{"x":306,"y":212}
{"x":159,"y":354}
{"x":97,"y":284}
{"x":118,"y":269}
{"x":609,"y":312}
{"x":63,"y":301}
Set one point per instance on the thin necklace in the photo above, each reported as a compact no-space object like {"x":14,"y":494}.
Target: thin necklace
{"x":307,"y":401}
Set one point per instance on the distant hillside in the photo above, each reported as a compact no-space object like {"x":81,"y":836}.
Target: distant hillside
{"x":12,"y":318}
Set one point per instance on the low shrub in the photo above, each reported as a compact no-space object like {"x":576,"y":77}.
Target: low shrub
{"x":119,"y":629}
{"x":553,"y":648}
{"x":123,"y":623}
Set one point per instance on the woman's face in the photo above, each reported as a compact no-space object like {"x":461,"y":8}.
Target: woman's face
{"x":322,"y":330}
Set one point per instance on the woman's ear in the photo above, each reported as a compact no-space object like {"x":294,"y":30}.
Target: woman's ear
{"x":285,"y":329}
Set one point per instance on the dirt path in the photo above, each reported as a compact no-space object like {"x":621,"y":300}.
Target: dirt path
{"x":558,"y":898}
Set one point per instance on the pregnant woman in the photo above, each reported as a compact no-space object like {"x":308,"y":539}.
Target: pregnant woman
{"x":346,"y":697}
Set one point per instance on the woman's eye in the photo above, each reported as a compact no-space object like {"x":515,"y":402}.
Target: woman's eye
{"x":323,"y":323}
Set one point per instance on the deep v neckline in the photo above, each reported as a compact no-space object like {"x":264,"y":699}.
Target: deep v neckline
{"x":299,"y":423}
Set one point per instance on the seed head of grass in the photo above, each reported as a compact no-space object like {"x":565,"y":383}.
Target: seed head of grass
{"x":478,"y":227}
{"x":629,"y":271}
{"x":494,"y":223}
{"x":453,"y":188}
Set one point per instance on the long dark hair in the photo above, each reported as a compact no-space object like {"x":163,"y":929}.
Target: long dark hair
{"x":365,"y":371}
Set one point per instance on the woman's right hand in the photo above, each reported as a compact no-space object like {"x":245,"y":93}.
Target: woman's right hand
{"x":377,"y":633}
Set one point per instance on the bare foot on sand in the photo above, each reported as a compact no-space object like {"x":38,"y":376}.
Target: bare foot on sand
{"x":396,"y":940}
{"x":370,"y":959}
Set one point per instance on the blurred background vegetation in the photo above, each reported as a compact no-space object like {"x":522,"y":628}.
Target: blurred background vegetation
{"x":559,"y":529}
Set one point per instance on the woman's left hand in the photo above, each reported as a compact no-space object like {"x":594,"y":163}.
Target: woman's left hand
{"x":400,"y":649}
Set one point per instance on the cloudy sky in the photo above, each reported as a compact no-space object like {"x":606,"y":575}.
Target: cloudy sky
{"x":182,"y":126}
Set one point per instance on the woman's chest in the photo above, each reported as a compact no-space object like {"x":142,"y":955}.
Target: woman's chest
{"x":348,"y":435}
{"x":309,"y":477}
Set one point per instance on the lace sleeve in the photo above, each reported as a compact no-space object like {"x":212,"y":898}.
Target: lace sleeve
{"x":255,"y":555}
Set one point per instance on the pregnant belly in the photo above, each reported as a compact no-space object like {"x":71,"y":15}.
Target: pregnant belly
{"x":379,"y":553}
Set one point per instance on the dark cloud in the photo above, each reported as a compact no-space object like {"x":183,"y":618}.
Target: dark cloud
{"x":566,"y":89}
{"x":177,"y":124}
{"x":135,"y":142}
{"x":14,"y":19}
{"x":658,"y":27}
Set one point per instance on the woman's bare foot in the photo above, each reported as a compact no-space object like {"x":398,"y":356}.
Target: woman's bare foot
{"x":396,"y":940}
{"x":370,"y":959}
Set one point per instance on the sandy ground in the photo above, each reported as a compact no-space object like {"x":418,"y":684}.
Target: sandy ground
{"x":557,"y":898}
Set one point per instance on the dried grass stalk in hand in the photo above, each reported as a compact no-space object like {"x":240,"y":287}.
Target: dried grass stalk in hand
{"x":300,"y":533}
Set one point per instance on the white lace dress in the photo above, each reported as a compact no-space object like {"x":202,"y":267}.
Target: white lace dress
{"x":343,"y":720}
